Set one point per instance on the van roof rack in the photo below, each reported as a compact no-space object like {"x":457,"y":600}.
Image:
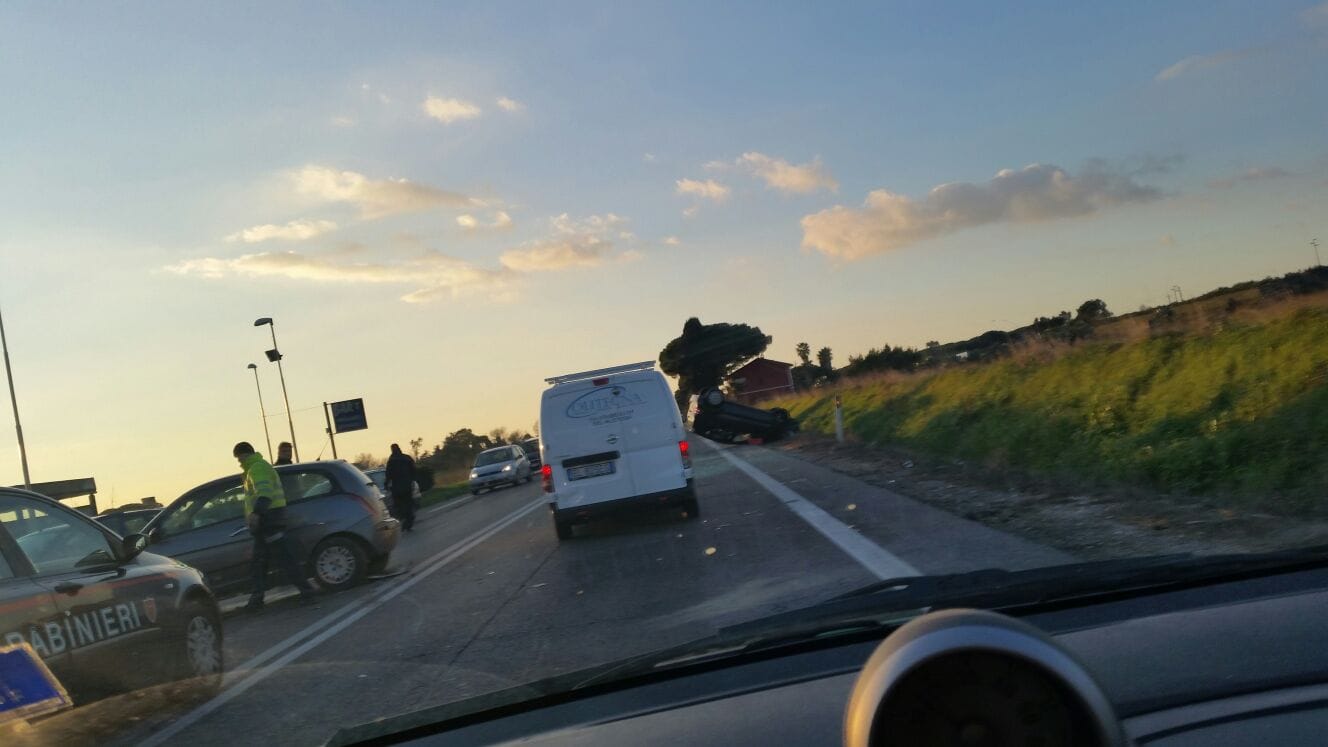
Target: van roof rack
{"x":599,"y":372}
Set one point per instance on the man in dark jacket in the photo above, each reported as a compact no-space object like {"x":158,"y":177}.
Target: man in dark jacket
{"x":400,"y":479}
{"x":284,"y":450}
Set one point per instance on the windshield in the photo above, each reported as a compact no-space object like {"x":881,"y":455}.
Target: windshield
{"x":828,"y":294}
{"x":493,"y":457}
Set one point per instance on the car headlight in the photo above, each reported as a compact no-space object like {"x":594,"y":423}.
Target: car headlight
{"x":507,"y":468}
{"x":474,"y":474}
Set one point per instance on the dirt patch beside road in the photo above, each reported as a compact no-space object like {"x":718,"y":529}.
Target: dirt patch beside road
{"x":1089,"y":526}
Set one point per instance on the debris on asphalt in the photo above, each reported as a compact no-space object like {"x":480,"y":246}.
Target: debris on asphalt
{"x":710,"y":551}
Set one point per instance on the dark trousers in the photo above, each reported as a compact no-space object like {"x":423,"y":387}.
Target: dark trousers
{"x":403,"y":509}
{"x":269,"y":542}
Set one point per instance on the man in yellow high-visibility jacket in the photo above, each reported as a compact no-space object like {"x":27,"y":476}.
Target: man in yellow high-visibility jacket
{"x":265,"y":513}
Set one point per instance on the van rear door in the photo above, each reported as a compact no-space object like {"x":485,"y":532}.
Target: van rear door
{"x":652,"y":434}
{"x":583,"y":427}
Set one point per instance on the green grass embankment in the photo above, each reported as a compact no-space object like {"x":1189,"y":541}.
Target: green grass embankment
{"x":440,"y":493}
{"x":1241,"y":412}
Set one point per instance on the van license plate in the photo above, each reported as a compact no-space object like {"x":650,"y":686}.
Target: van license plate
{"x":590,"y":470}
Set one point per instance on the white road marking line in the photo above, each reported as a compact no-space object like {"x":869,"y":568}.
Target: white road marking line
{"x":356,"y":611}
{"x":871,"y":555}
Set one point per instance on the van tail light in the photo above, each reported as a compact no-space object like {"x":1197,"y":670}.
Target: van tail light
{"x":685,"y":449}
{"x":546,"y":477}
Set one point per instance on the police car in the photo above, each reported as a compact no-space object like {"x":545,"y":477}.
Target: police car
{"x":103,"y":615}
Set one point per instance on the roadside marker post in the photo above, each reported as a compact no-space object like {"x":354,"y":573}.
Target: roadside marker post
{"x":839,"y":420}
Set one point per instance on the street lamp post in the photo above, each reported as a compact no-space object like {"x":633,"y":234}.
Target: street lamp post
{"x":274,"y":356}
{"x":13,"y":400}
{"x":262,"y":410}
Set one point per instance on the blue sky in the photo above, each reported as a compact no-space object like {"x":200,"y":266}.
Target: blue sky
{"x":443,"y":203}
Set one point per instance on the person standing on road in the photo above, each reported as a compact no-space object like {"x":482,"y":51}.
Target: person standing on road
{"x":400,"y":479}
{"x":265,"y":514}
{"x":284,"y":450}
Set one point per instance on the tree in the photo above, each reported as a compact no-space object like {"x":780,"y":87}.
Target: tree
{"x":415,"y":445}
{"x":1092,"y":310}
{"x":825,"y":359}
{"x":457,"y":451}
{"x":805,"y":353}
{"x":931,"y":344}
{"x":705,"y":353}
{"x":366,"y":461}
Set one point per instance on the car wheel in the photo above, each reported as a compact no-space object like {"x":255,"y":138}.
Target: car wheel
{"x":338,"y":563}
{"x":562,"y":527}
{"x":199,"y":647}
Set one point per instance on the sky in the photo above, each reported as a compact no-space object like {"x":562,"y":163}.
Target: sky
{"x":441,"y":204}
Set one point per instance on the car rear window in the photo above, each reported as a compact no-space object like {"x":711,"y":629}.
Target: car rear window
{"x":301,"y":486}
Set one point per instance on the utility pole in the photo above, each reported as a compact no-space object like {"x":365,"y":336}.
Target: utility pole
{"x":13,"y":401}
{"x":1315,"y":243}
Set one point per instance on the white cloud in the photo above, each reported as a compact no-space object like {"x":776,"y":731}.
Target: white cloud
{"x":498,"y":221}
{"x":708,"y":189}
{"x":296,"y":230}
{"x":432,"y":274}
{"x":649,"y":157}
{"x":1038,"y":192}
{"x":1256,"y":174}
{"x":342,"y":121}
{"x":690,"y":212}
{"x":1199,"y":63}
{"x":671,"y":241}
{"x":716,"y":165}
{"x":374,"y":198}
{"x":448,"y":111}
{"x":509,"y":105}
{"x":574,"y":243}
{"x":786,"y":177}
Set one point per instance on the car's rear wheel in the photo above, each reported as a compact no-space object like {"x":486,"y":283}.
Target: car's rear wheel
{"x":339,"y":563}
{"x":562,"y":527}
{"x":199,"y":651}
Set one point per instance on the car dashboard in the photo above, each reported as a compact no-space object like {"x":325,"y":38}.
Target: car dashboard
{"x":1241,"y":662}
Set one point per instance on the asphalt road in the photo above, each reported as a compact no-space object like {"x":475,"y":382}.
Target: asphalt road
{"x":488,"y":598}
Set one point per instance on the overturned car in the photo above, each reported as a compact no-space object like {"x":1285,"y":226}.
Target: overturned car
{"x":717,"y":418}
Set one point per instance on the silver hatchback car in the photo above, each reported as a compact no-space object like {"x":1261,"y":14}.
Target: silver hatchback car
{"x":501,"y":465}
{"x":335,"y":513}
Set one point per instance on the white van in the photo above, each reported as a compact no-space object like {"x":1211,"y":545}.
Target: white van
{"x":613,"y":439}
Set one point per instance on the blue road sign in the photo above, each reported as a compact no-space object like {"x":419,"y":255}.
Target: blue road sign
{"x":27,"y":687}
{"x":348,"y":415}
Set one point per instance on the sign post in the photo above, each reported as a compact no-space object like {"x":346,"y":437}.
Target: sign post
{"x":346,"y":415}
{"x":330,"y":437}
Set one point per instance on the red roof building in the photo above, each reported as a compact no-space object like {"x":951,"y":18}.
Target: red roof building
{"x":761,"y":379}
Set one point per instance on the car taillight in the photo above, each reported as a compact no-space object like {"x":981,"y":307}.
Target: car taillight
{"x":370,"y":504}
{"x":685,"y":449}
{"x":546,"y":478}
